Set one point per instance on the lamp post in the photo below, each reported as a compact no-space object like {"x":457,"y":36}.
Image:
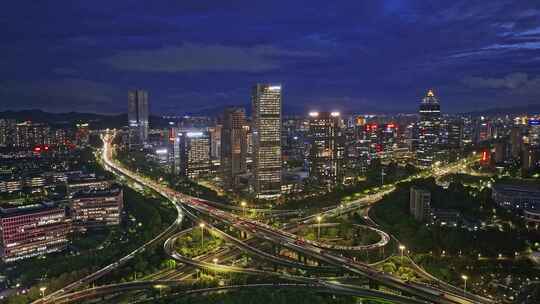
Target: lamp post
{"x":319,"y":219}
{"x":160,"y":288}
{"x":465,"y":278}
{"x":243,"y":207}
{"x":42,"y":291}
{"x":402,"y":248}
{"x":202,"y":234}
{"x":215,"y":260}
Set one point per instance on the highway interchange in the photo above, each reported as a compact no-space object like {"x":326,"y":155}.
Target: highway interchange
{"x":200,"y":210}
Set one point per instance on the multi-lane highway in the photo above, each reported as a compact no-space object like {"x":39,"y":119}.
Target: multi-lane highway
{"x":291,"y":241}
{"x":195,"y":207}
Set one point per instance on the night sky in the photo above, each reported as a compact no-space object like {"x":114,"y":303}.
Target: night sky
{"x":364,"y":56}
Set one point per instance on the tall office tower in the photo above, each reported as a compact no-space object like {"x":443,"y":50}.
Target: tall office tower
{"x":516,"y":142}
{"x":173,"y":150}
{"x":138,"y":114}
{"x":428,"y":129}
{"x":233,"y":146}
{"x":483,"y":130}
{"x":215,"y":141}
{"x":534,"y":132}
{"x":454,"y":133}
{"x":266,"y":103}
{"x":326,"y":155}
{"x":420,"y":204}
{"x":194,"y":154}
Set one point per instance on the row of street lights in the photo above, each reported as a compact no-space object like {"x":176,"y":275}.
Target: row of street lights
{"x":463,"y":277}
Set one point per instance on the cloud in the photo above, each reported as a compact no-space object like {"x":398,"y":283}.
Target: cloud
{"x":513,"y":81}
{"x":195,"y":57}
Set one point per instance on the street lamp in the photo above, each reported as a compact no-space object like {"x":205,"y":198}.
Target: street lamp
{"x":464,"y":277}
{"x":42,"y":291}
{"x":402,"y":248}
{"x":160,"y":288}
{"x":202,"y":234}
{"x":244,"y":207}
{"x":319,"y":219}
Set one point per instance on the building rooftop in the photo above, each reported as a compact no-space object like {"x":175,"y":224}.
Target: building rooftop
{"x":18,"y":208}
{"x":114,"y":190}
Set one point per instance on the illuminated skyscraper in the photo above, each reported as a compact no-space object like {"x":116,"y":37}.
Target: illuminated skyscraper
{"x":327,"y":150}
{"x":233,"y":146}
{"x":428,"y":129}
{"x":534,"y":132}
{"x":138,"y":114}
{"x":194,"y":154}
{"x":266,"y":103}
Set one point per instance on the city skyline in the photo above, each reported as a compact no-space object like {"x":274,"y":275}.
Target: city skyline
{"x":370,"y":57}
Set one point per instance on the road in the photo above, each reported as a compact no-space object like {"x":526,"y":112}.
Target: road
{"x":291,"y":241}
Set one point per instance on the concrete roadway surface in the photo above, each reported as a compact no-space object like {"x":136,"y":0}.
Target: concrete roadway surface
{"x":167,"y":193}
{"x":281,"y":237}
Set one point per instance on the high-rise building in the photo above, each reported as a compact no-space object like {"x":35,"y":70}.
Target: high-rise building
{"x":7,"y":130}
{"x":454,"y":133}
{"x":420,"y":204}
{"x":215,"y":141}
{"x":326,"y":155}
{"x":194,"y":154}
{"x":29,"y":134}
{"x":428,"y":129}
{"x":33,"y":229}
{"x":138,"y":115}
{"x":534,"y":132}
{"x":233,"y":146}
{"x":266,"y":103}
{"x":516,"y":142}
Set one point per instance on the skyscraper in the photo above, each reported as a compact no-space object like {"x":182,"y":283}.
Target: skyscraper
{"x":233,"y":146}
{"x":194,"y":154}
{"x":534,"y":132}
{"x":516,"y":142}
{"x":266,"y":103}
{"x":138,"y":114}
{"x":326,"y":155}
{"x":428,"y":129}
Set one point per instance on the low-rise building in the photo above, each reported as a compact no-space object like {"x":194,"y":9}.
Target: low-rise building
{"x":515,"y":196}
{"x":32,"y":229}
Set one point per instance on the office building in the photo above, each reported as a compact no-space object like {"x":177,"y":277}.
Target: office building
{"x":516,"y":142}
{"x":32,"y":230}
{"x":420,"y":204}
{"x":534,"y":132}
{"x":138,"y":115}
{"x":30,"y":135}
{"x":233,"y":147}
{"x":266,"y":112}
{"x":327,"y":148}
{"x":516,"y":196}
{"x":97,"y":208}
{"x":215,"y":142}
{"x":428,"y":130}
{"x":194,"y":154}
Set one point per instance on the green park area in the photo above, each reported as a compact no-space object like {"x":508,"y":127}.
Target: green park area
{"x":497,"y":247}
{"x":198,"y":242}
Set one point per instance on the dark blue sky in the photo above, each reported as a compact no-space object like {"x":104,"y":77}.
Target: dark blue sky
{"x":192,"y":55}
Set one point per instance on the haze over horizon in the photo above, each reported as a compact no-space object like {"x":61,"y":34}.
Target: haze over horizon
{"x":191,"y":56}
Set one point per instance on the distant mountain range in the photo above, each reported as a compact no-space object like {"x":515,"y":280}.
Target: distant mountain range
{"x":96,"y":121}
{"x":528,"y":109}
{"x":99,"y":121}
